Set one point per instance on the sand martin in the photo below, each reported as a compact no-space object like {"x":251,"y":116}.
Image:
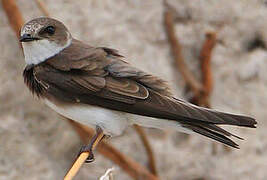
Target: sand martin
{"x":95,"y":86}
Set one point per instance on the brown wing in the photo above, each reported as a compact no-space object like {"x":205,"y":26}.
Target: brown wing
{"x":104,"y":61}
{"x":98,"y":77}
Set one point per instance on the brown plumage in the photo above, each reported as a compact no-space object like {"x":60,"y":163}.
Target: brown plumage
{"x":73,"y":75}
{"x":97,"y":76}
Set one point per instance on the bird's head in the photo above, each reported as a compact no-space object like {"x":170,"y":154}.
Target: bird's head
{"x":43,"y":38}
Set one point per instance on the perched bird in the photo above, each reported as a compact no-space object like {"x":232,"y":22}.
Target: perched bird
{"x":96,"y":87}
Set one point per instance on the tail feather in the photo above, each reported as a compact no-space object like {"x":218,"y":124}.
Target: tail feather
{"x":220,"y":130}
{"x":213,"y":132}
{"x":201,"y":120}
{"x":187,"y":112}
{"x":244,"y":121}
{"x":216,"y":117}
{"x":210,"y":129}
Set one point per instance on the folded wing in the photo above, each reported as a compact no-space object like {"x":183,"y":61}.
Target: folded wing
{"x":101,"y":78}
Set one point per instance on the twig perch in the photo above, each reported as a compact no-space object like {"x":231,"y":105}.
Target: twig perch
{"x":131,"y":167}
{"x":134,"y":169}
{"x":76,"y":166}
{"x":83,"y":156}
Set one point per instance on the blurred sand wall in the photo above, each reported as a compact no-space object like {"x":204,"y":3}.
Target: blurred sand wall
{"x":35,"y":143}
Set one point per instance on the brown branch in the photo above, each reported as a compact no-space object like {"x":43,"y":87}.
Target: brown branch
{"x":207,"y":79}
{"x":149,"y":151}
{"x":201,"y":90}
{"x":15,"y":19}
{"x":189,"y":78}
{"x":131,"y":167}
{"x":84,"y":155}
{"x":205,"y":59}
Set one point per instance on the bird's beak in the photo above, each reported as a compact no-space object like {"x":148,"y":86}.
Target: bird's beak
{"x":27,"y":38}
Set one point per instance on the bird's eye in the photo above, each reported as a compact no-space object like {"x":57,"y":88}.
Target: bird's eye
{"x":50,"y":30}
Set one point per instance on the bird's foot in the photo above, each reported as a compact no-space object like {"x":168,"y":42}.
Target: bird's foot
{"x":87,"y":148}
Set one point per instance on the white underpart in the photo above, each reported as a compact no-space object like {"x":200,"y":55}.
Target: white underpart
{"x":112,"y":122}
{"x":38,"y":51}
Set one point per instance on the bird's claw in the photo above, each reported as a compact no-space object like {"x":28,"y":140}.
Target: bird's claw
{"x":87,"y":149}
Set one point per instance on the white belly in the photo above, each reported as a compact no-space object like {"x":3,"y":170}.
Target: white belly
{"x":112,"y":122}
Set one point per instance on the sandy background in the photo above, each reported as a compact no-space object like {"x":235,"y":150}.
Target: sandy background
{"x":35,"y":143}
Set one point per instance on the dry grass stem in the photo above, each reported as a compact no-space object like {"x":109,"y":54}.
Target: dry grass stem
{"x":108,"y":174}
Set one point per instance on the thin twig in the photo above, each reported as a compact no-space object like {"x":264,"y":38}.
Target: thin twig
{"x":205,"y":60}
{"x":76,"y":166}
{"x":149,"y":151}
{"x":201,"y":90}
{"x":207,"y":80}
{"x":42,"y":7}
{"x":131,"y":167}
{"x":134,"y":169}
{"x":189,"y":78}
{"x":82,"y":158}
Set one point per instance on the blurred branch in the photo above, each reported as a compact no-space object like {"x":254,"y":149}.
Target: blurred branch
{"x":131,"y":167}
{"x":42,"y":7}
{"x":149,"y":151}
{"x":14,"y":17}
{"x":201,"y":90}
{"x":189,"y":78}
{"x":205,"y":60}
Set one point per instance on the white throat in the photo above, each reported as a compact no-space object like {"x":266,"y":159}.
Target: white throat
{"x":38,"y":51}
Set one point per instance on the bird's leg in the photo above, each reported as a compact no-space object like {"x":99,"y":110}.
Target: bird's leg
{"x":92,"y":145}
